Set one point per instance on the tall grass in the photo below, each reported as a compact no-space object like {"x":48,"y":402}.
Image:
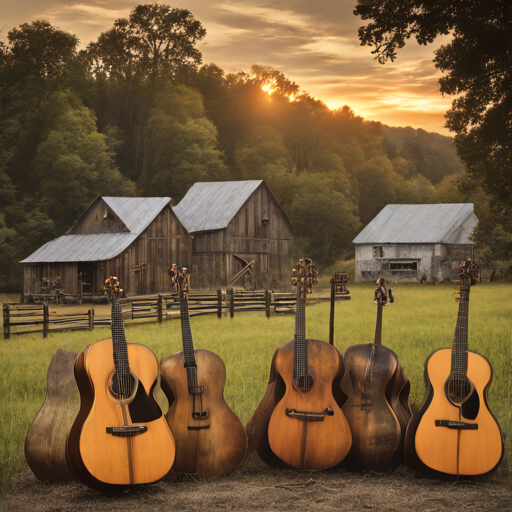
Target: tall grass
{"x":421,"y":320}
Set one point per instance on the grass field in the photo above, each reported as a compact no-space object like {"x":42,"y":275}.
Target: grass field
{"x":421,"y":320}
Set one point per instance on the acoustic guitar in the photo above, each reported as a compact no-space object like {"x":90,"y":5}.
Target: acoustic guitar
{"x":455,"y":433}
{"x":210,"y":439}
{"x":307,"y":429}
{"x":120,"y":437}
{"x":377,"y":408}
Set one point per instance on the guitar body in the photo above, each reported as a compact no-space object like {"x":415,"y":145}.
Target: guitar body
{"x":106,"y":462}
{"x":309,"y":444}
{"x":450,"y":451}
{"x":209,"y":447}
{"x":375,"y":428}
{"x":45,"y":444}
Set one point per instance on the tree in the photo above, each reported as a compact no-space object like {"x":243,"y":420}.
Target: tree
{"x":73,"y":164}
{"x":324,"y":221}
{"x":477,"y":69}
{"x":182,"y":144}
{"x":156,"y":40}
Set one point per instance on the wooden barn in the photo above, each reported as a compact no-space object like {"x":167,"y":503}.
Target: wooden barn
{"x":134,"y":238}
{"x":415,"y":241}
{"x":234,"y":223}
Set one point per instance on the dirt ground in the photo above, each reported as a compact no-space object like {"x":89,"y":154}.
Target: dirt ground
{"x":254,"y":487}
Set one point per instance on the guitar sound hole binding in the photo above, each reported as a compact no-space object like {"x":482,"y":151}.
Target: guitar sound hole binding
{"x":304,"y":383}
{"x":458,"y":388}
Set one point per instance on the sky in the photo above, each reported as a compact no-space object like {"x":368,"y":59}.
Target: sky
{"x":313,"y":42}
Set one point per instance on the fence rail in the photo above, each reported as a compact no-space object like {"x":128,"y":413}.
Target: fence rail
{"x":29,"y":318}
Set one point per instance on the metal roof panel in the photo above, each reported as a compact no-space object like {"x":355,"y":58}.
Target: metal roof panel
{"x":97,"y":247}
{"x":420,"y":223}
{"x":210,"y":206}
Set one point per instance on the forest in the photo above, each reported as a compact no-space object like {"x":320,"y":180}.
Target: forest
{"x":137,"y":112}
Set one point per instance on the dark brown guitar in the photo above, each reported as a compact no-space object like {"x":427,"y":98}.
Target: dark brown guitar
{"x":375,"y":410}
{"x":120,"y":437}
{"x":307,"y":429}
{"x":454,"y":432}
{"x":45,"y":444}
{"x":210,"y":439}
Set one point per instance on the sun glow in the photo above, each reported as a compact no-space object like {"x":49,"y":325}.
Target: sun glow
{"x":272,"y":87}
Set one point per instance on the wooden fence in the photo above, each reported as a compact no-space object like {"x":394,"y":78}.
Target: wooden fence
{"x":29,"y":318}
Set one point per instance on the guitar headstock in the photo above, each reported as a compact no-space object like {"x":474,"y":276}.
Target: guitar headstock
{"x":468,"y":274}
{"x":382,"y":293}
{"x":180,"y":278}
{"x":305,"y":276}
{"x":113,"y":288}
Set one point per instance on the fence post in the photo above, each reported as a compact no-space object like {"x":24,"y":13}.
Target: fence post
{"x":231,"y":302}
{"x":91,"y":319}
{"x":159,"y":308}
{"x":267,"y":303}
{"x":46,"y":319}
{"x":7,"y":320}
{"x":219,"y":303}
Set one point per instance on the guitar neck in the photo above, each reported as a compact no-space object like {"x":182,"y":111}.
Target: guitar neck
{"x":300,"y":362}
{"x":378,"y":326}
{"x":120,"y":348}
{"x":460,"y":338}
{"x":186,"y":334}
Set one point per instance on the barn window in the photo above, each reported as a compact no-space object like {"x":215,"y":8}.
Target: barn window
{"x":377,"y":251}
{"x":403,"y":265}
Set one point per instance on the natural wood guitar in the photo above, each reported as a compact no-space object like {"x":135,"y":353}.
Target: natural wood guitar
{"x":120,"y":437}
{"x":455,"y":433}
{"x":307,"y":429}
{"x":210,"y":439}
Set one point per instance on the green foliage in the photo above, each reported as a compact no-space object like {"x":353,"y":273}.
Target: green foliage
{"x":156,"y":40}
{"x":476,"y":68}
{"x":324,"y":220}
{"x":73,"y":164}
{"x":181,"y":144}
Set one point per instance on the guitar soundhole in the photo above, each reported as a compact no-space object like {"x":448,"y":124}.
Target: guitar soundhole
{"x":304,"y":383}
{"x":122,"y":387}
{"x":458,"y":388}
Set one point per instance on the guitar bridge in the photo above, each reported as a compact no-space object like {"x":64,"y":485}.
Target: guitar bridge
{"x":309,"y":416}
{"x":457,"y":425}
{"x":127,"y":431}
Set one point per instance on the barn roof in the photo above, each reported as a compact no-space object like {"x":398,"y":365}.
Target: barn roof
{"x":420,"y":223}
{"x":135,"y":212}
{"x":210,"y":206}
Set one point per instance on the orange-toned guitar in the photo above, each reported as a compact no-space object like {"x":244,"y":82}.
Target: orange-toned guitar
{"x":120,"y":436}
{"x":307,"y":429}
{"x":210,"y":439}
{"x":455,"y":433}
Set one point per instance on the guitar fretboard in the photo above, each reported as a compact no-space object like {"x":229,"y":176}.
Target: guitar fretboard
{"x":119,"y":341}
{"x":300,"y":363}
{"x":460,"y":338}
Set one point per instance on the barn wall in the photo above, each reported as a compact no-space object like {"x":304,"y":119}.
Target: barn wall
{"x":260,"y":231}
{"x":142,"y":268}
{"x":441,"y":261}
{"x":34,"y":273}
